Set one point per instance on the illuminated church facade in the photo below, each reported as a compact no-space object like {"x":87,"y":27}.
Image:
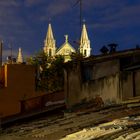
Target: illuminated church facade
{"x":66,"y":48}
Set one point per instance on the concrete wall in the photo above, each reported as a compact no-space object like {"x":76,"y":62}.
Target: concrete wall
{"x":99,"y":70}
{"x":41,"y":101}
{"x":130,"y":84}
{"x":84,"y":82}
{"x":72,"y":85}
{"x":126,"y":85}
{"x":104,"y":69}
{"x":107,"y":88}
{"x":137,"y":83}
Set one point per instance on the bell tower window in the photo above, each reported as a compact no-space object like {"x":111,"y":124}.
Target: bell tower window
{"x":85,"y":52}
{"x":50,"y":52}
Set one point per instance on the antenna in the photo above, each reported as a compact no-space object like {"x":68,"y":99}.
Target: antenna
{"x":1,"y":46}
{"x":10,"y":47}
{"x":49,"y":20}
{"x":11,"y":52}
{"x":80,"y":2}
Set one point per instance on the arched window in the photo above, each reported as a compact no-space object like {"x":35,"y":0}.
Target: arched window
{"x":50,"y":52}
{"x":85,"y":52}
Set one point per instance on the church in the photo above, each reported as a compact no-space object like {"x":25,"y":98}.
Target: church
{"x":66,"y":48}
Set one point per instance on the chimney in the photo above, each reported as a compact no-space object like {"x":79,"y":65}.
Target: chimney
{"x":112,"y":47}
{"x":1,"y":53}
{"x":104,"y":50}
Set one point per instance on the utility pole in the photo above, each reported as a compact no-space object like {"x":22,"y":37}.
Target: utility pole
{"x":80,"y":2}
{"x":1,"y":45}
{"x":81,"y":8}
{"x":11,"y":55}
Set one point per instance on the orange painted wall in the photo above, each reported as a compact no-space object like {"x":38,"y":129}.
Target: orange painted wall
{"x":19,"y":85}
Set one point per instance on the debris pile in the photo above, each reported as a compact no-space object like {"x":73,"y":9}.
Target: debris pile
{"x":118,"y":122}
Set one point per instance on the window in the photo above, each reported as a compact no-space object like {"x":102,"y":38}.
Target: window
{"x":85,"y":52}
{"x":50,"y":52}
{"x":67,"y":51}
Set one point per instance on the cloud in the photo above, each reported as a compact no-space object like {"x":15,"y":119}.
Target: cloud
{"x":30,"y":3}
{"x":122,"y":17}
{"x":56,"y":8}
{"x":9,"y":13}
{"x":7,"y":3}
{"x":22,"y":22}
{"x":15,"y":27}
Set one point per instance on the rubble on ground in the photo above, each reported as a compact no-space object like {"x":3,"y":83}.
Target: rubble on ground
{"x":118,"y":122}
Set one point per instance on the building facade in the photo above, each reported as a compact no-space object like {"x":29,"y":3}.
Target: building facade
{"x":66,"y":48}
{"x":17,"y":83}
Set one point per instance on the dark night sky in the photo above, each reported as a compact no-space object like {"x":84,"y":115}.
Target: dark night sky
{"x":23,"y":23}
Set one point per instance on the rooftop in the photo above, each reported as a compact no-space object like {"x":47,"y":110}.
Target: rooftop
{"x":106,"y":122}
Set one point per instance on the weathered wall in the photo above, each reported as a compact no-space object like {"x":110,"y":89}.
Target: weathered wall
{"x":54,"y":97}
{"x":129,"y":84}
{"x":41,"y":101}
{"x":137,"y":83}
{"x":126,"y":85}
{"x":106,"y":68}
{"x":72,"y":85}
{"x":85,"y":82}
{"x":98,"y":70}
{"x":113,"y":79}
{"x":107,"y":88}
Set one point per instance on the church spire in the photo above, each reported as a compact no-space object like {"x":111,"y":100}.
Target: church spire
{"x":85,"y":42}
{"x":49,"y":43}
{"x":84,"y":35}
{"x":19,"y":57}
{"x":49,"y":32}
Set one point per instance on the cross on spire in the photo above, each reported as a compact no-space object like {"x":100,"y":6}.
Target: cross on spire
{"x":66,"y":38}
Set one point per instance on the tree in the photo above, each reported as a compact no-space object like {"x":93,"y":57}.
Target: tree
{"x":77,"y":56}
{"x":49,"y":72}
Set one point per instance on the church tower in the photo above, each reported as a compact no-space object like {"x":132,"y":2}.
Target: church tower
{"x":19,"y":57}
{"x":49,"y":43}
{"x":85,"y":48}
